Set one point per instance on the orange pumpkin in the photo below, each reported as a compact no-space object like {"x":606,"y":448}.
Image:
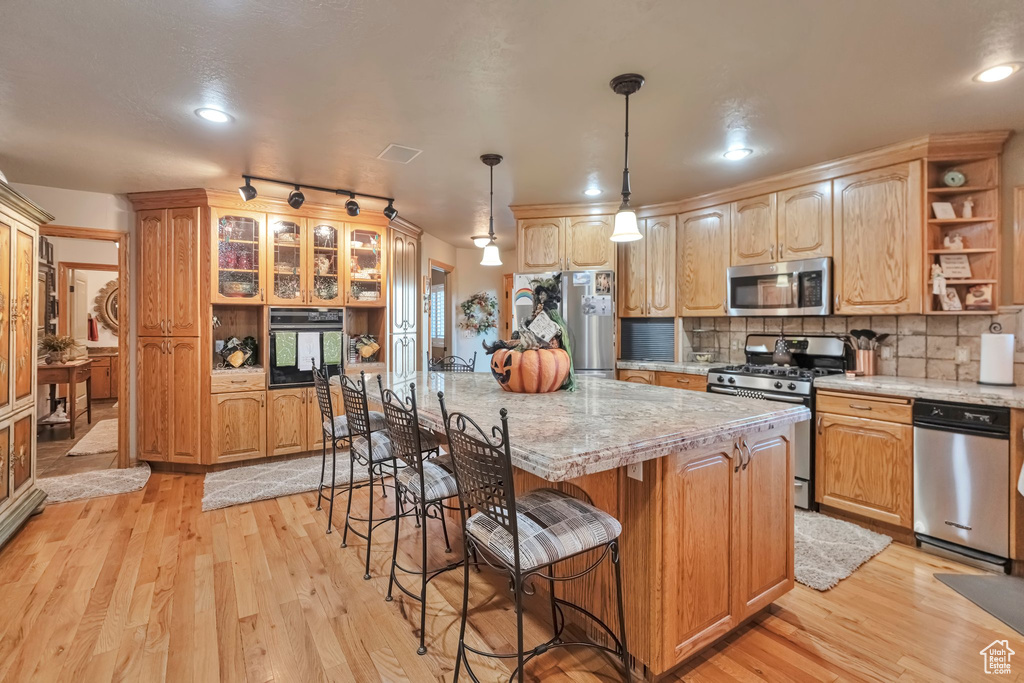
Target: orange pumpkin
{"x":537,"y":371}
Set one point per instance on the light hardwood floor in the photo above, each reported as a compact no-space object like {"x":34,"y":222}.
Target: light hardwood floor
{"x":54,"y":443}
{"x":146,"y":587}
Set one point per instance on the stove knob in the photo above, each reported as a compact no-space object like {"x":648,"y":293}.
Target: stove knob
{"x":791,"y":386}
{"x":732,"y":380}
{"x":721,"y":379}
{"x":778,"y":385}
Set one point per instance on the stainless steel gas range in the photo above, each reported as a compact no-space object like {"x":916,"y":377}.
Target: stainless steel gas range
{"x":760,"y":378}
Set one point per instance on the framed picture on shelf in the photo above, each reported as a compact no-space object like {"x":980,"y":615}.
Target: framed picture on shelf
{"x":950,"y":301}
{"x":979,"y":298}
{"x":955,"y":266}
{"x":943,"y":210}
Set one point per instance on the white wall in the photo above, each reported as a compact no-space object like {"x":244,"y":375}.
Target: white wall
{"x":470,"y":278}
{"x":95,"y":280}
{"x":437,"y":249}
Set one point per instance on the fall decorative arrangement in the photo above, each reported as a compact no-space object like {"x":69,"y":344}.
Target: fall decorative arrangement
{"x":538,"y":358}
{"x":479,"y":313}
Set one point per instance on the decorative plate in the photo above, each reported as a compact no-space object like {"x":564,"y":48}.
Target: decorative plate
{"x":953,"y":178}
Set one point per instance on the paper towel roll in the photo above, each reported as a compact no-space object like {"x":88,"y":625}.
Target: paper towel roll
{"x":996,"y":359}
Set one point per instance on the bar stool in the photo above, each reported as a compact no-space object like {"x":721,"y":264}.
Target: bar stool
{"x":335,"y":430}
{"x":525,"y":536}
{"x":425,"y":483}
{"x":452,"y":364}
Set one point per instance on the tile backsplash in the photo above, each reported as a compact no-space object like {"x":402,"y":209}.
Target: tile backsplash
{"x":920,"y":346}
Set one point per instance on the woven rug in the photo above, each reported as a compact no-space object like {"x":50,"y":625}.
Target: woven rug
{"x":102,"y":438}
{"x":69,"y":487}
{"x":270,"y":480}
{"x":828,"y":549}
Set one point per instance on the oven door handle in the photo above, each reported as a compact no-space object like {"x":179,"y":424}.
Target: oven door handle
{"x":767,"y":395}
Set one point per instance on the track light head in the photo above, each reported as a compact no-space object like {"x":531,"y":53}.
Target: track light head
{"x":352,"y":206}
{"x":390,"y":211}
{"x":296,"y":198}
{"x":247,"y":191}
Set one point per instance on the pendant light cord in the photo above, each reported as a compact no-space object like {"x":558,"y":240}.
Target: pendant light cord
{"x":625,"y":169}
{"x":490,"y":211}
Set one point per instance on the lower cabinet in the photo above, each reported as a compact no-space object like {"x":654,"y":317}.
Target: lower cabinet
{"x":636,"y":376}
{"x":238,"y":426}
{"x":404,"y":350}
{"x":22,"y":444}
{"x":169,"y":403}
{"x":865,"y":466}
{"x":294,"y":422}
{"x":680,"y":380}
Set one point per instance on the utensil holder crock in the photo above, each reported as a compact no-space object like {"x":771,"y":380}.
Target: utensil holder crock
{"x":866,"y":361}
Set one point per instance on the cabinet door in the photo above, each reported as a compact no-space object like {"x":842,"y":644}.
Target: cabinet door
{"x":866,"y":467}
{"x":805,"y":222}
{"x":239,"y":426}
{"x":5,"y":305}
{"x":100,"y":381}
{"x":405,"y":275}
{"x":660,"y":243}
{"x":313,"y":416}
{"x":153,"y":275}
{"x":24,"y":315}
{"x":286,"y":260}
{"x":637,"y":376}
{"x":765,"y":563}
{"x":239,"y":257}
{"x":326,"y":249}
{"x":633,"y":276}
{"x":5,"y":463}
{"x":541,"y":244}
{"x":22,"y":454}
{"x":153,"y":407}
{"x":184,"y":390}
{"x":182,"y":291}
{"x":367,"y":272}
{"x":588,"y":244}
{"x":703,"y":259}
{"x":754,"y":230}
{"x":699,"y":518}
{"x":877,"y":219}
{"x":287,"y":422}
{"x":403,"y":355}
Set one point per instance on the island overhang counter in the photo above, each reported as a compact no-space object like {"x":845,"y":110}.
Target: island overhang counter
{"x":702,"y":484}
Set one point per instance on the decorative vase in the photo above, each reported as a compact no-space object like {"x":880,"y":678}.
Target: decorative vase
{"x":537,"y":371}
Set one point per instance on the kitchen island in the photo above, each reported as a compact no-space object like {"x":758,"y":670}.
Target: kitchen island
{"x":702,"y":483}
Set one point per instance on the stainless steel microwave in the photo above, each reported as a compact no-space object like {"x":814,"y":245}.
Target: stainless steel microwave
{"x":787,"y":288}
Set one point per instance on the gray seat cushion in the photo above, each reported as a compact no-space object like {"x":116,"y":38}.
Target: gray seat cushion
{"x":552,"y":526}
{"x":341,"y":424}
{"x":382,"y":449}
{"x":438,"y":479}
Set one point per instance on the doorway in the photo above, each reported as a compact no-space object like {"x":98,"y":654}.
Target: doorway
{"x":88,"y":303}
{"x":440,"y":318}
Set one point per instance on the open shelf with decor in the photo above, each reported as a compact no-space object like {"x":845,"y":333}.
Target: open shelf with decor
{"x":364,"y":328}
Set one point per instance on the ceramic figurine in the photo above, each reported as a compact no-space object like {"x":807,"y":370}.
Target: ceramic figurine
{"x":955,"y":242}
{"x":968,"y":208}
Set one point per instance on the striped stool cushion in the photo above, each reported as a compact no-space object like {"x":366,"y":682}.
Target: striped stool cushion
{"x":341,"y":424}
{"x":438,"y":479}
{"x":552,"y":526}
{"x":382,"y":449}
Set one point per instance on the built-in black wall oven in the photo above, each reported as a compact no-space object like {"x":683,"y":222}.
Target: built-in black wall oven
{"x":302,"y":337}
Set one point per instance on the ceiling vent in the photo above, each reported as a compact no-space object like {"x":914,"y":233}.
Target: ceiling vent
{"x":399,"y":154}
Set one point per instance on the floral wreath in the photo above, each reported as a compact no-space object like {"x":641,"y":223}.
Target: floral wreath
{"x":480,"y":313}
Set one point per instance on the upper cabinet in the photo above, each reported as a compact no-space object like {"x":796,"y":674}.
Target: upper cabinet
{"x":169,"y":257}
{"x":754,"y":230}
{"x":647,"y":278}
{"x":805,"y":222}
{"x":878,"y":236}
{"x":288,"y":259}
{"x":239,"y":257}
{"x":588,"y":244}
{"x":703,"y":259}
{"x":367,"y":277}
{"x":541,"y":244}
{"x":405,"y":275}
{"x":325,"y":255}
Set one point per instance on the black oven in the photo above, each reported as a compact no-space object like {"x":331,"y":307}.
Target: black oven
{"x":301,"y":338}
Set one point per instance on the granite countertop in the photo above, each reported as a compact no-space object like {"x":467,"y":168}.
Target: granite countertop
{"x":255,"y":369}
{"x":689,"y":367}
{"x":934,"y":389}
{"x":604,"y":425}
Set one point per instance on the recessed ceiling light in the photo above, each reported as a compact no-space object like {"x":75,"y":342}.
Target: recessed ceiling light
{"x":997,"y":73}
{"x":592,"y":191}
{"x":214,"y":115}
{"x":738,"y":153}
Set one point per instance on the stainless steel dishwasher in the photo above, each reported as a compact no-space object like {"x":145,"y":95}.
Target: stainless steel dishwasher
{"x":962,"y":481}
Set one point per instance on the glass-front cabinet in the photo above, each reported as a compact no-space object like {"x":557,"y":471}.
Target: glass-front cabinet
{"x":288,"y":263}
{"x":239,"y":256}
{"x":325,"y":256}
{"x":366,"y":267}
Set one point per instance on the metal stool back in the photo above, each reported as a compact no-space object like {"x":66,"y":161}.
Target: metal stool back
{"x":453,"y":364}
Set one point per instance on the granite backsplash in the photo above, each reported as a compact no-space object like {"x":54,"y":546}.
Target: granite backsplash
{"x":921,"y":346}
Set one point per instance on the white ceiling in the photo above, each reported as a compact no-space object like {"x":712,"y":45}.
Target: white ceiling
{"x":99,"y":95}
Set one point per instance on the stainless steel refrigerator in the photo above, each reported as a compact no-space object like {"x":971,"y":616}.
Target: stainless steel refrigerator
{"x":588,"y":308}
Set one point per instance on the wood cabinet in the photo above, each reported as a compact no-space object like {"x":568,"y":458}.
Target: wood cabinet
{"x":5,"y":459}
{"x":878,"y":236}
{"x":23,"y":462}
{"x":805,"y":222}
{"x":239,"y":256}
{"x":541,"y":244}
{"x":238,"y":426}
{"x":366,"y":276}
{"x":287,"y":426}
{"x":403,"y":355}
{"x":23,"y":316}
{"x":325,"y":275}
{"x":405,"y":282}
{"x":153,"y":372}
{"x":169,"y":408}
{"x":168,"y":300}
{"x":314,"y":419}
{"x":588,"y":244}
{"x":100,"y":377}
{"x":865,"y":465}
{"x":702,"y":261}
{"x":754,"y":230}
{"x":636,"y":376}
{"x":647,"y":278}
{"x":5,"y":330}
{"x":680,"y":380}
{"x":288,"y":263}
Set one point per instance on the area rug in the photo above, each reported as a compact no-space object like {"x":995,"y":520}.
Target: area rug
{"x":1000,"y":596}
{"x":69,"y":487}
{"x":270,"y":480}
{"x":828,"y":549}
{"x":102,"y":438}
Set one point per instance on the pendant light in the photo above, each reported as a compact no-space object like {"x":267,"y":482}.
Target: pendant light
{"x":625,"y":218}
{"x":491,"y":256}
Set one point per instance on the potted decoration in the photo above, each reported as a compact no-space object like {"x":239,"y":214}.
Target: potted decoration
{"x":57,"y":347}
{"x":538,"y":358}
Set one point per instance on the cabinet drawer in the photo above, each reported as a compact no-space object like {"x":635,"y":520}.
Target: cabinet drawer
{"x":100,"y":361}
{"x":222,"y":383}
{"x":637,"y":376}
{"x":858,"y":405}
{"x":678,"y":380}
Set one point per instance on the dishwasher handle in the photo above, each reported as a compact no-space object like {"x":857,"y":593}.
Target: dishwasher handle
{"x":1002,"y":435}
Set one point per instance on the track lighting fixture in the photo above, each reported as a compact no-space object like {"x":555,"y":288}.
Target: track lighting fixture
{"x":352,"y":206}
{"x":626,"y":229}
{"x":296,"y":198}
{"x":247,"y":191}
{"x":390,"y":211}
{"x":491,"y":255}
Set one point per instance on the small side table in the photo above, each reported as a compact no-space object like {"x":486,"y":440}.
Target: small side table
{"x":70,"y":373}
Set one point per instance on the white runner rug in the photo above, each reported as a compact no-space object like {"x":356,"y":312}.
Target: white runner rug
{"x":102,"y":438}
{"x":828,"y":550}
{"x":94,"y":484}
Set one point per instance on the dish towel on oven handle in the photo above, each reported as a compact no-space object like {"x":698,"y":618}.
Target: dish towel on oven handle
{"x":309,"y":350}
